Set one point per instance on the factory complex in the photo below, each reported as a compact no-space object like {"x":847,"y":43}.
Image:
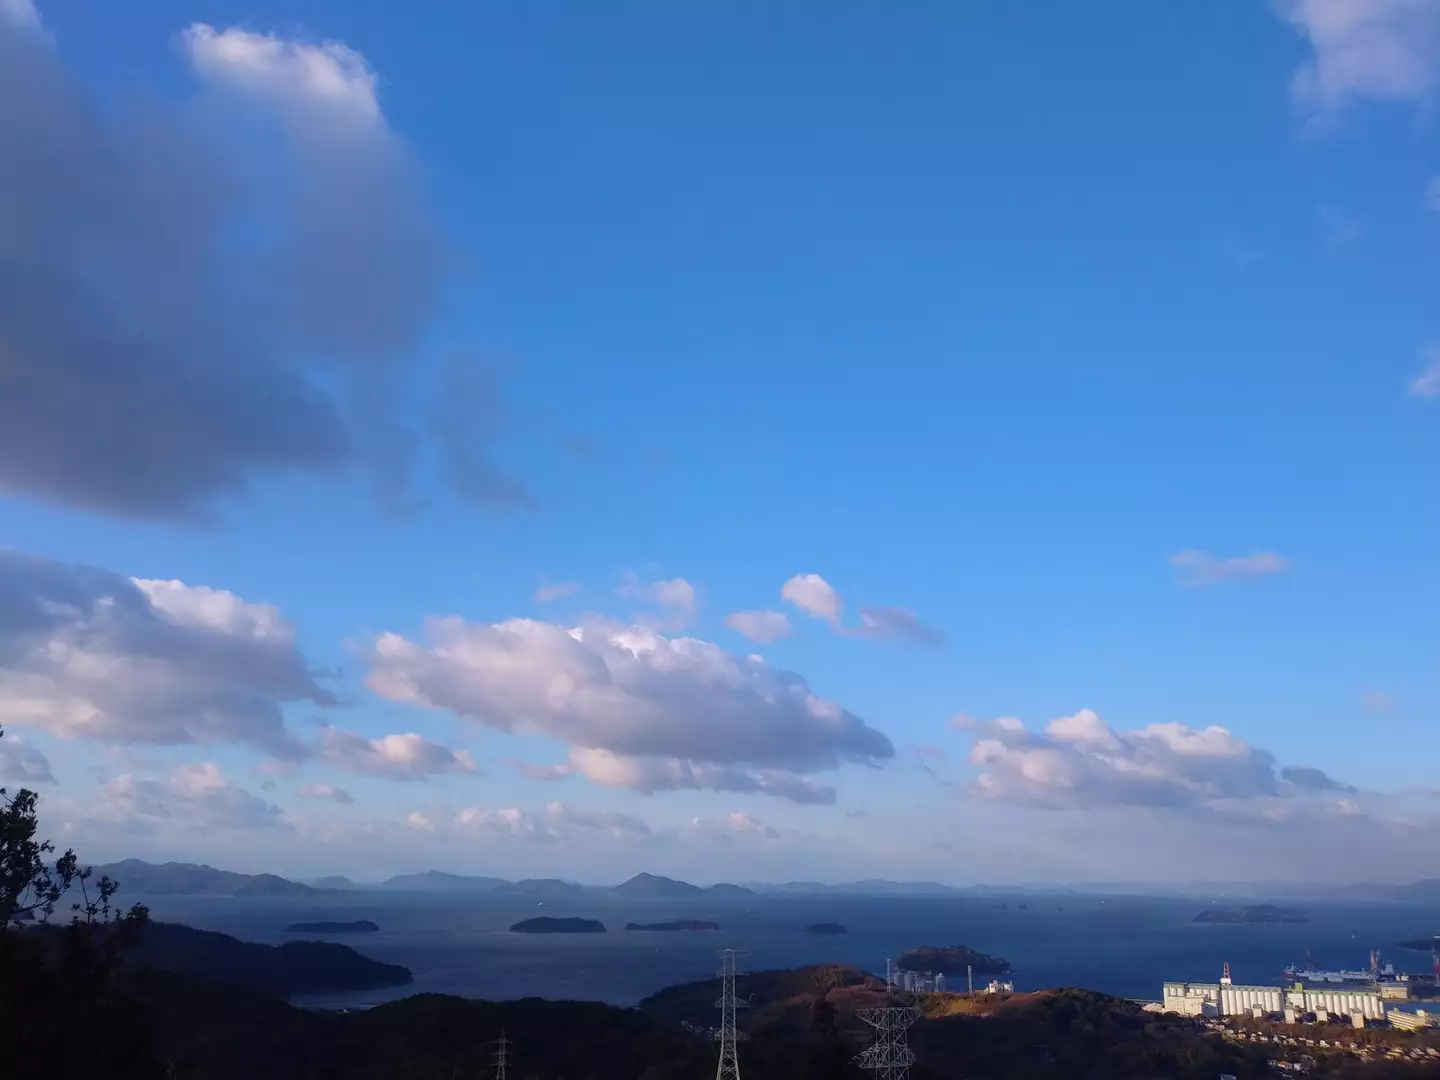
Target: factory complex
{"x":1359,"y":1003}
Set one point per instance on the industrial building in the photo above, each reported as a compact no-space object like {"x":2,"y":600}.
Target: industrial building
{"x":1227,"y":998}
{"x":918,"y":982}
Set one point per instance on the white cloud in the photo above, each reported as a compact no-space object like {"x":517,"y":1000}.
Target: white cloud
{"x":327,"y":791}
{"x":399,"y":757}
{"x":761,"y":626}
{"x":735,"y":824}
{"x":20,"y":13}
{"x":1427,"y":383}
{"x":636,"y":694}
{"x":894,"y":622}
{"x":22,"y":763}
{"x":553,"y":822}
{"x":1080,"y":761}
{"x":86,"y":653}
{"x":556,"y":590}
{"x":328,"y":79}
{"x":650,"y":774}
{"x":1202,"y":568}
{"x":678,"y":597}
{"x":195,"y":797}
{"x":813,"y":595}
{"x":1379,"y":50}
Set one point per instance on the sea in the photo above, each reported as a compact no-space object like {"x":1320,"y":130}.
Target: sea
{"x":460,"y":943}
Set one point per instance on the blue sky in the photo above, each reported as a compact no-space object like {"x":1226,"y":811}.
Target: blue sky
{"x":984,"y":315}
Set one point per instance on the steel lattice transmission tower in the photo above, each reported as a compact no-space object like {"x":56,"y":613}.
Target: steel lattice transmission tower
{"x":891,"y":1056}
{"x":501,"y":1057}
{"x":728,"y":1036}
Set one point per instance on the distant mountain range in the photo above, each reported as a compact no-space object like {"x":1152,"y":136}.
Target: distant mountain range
{"x":138,"y":878}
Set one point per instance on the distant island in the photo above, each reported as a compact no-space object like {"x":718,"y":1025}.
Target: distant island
{"x":952,"y":960}
{"x":675,"y":924}
{"x":335,"y":881}
{"x":547,"y":925}
{"x":1430,"y":944}
{"x":296,"y":967}
{"x":140,"y":878}
{"x":359,"y":926}
{"x":825,"y":929}
{"x":438,"y":879}
{"x":553,"y":888}
{"x":1253,"y":913}
{"x":655,"y":885}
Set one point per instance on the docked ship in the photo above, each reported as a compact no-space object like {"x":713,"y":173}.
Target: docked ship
{"x":1308,"y":973}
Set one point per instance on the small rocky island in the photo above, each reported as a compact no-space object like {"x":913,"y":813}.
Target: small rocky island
{"x":1253,"y":913}
{"x":359,"y":926}
{"x":547,"y":925}
{"x":825,"y":929}
{"x":1430,"y":944}
{"x":952,"y":960}
{"x":675,"y":924}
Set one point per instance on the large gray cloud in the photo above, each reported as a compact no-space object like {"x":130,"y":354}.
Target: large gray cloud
{"x":640,"y":709}
{"x":171,"y":305}
{"x":88,"y":653}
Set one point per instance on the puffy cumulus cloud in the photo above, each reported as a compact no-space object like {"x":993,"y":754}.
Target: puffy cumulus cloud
{"x":651,"y":774}
{"x":193,"y":797}
{"x":87,"y":653}
{"x":813,"y":595}
{"x":327,"y":791}
{"x":551,"y":823}
{"x":1080,"y":761}
{"x":1201,"y":568}
{"x":1427,"y":383}
{"x":398,"y":757}
{"x":22,"y":763}
{"x":761,"y":626}
{"x":149,"y":364}
{"x":1378,"y":50}
{"x":638,"y":709}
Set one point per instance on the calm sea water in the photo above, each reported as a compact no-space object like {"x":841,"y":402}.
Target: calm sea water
{"x":459,"y":944}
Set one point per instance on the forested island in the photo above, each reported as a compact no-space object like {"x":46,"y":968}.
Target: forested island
{"x":952,"y":960}
{"x":675,"y":924}
{"x":544,"y":924}
{"x":359,"y":926}
{"x":1430,"y":944}
{"x":825,"y":929}
{"x":1253,"y":913}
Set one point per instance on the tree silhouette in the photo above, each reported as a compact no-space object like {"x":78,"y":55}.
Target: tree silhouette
{"x":62,"y":1011}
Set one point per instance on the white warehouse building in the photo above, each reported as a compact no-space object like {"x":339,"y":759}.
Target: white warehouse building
{"x":1228,"y":999}
{"x":1366,"y":1003}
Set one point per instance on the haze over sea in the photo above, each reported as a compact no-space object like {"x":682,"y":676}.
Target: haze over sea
{"x":459,"y":942}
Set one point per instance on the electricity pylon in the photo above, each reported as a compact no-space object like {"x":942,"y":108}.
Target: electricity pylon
{"x":501,"y":1057}
{"x":891,"y":1057}
{"x":728,"y":1036}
